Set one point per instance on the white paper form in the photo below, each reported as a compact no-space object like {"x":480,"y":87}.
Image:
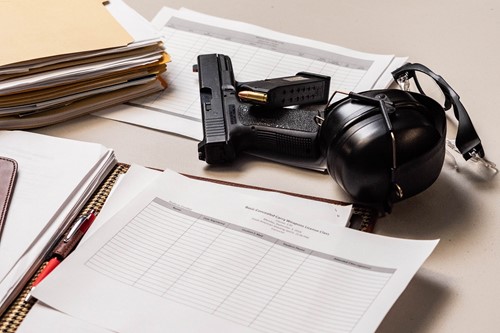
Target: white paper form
{"x":256,"y":53}
{"x":182,"y":261}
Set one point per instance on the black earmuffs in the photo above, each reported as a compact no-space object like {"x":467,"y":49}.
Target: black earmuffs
{"x":383,"y":146}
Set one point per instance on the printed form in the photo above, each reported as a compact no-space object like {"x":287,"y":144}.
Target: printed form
{"x":179,"y":261}
{"x":256,"y":54}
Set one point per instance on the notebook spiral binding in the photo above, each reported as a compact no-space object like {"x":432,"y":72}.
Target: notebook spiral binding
{"x":17,"y":311}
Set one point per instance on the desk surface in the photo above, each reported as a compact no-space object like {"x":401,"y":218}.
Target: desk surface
{"x":456,"y":289}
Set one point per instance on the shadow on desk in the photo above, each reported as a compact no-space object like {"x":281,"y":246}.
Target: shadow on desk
{"x":448,"y":209}
{"x":451,"y":210}
{"x":416,"y":307}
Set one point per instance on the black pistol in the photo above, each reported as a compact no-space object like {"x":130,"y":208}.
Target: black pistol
{"x":251,"y":116}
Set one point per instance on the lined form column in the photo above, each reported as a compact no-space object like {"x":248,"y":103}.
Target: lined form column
{"x":187,"y":241}
{"x":325,"y":293}
{"x":219,"y":270}
{"x":262,"y":284}
{"x":134,"y":255}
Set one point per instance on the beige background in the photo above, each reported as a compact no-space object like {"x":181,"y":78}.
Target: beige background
{"x":457,"y":288}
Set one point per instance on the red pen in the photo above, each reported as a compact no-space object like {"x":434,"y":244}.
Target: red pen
{"x":80,"y":227}
{"x":68,"y":243}
{"x":46,"y":271}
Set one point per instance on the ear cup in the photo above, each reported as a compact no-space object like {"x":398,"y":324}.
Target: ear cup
{"x":356,"y":142}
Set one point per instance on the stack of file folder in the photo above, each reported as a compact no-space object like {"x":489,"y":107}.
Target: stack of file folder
{"x":63,"y":59}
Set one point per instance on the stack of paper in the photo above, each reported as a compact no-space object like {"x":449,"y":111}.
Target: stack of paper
{"x":62,"y":59}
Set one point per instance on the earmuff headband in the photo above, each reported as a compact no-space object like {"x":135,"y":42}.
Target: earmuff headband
{"x":467,"y":141}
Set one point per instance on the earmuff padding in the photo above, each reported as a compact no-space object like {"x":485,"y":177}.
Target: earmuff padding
{"x":356,"y":161}
{"x":410,"y":177}
{"x":359,"y":150}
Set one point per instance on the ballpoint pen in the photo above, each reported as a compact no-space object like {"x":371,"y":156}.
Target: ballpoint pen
{"x":65,"y":246}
